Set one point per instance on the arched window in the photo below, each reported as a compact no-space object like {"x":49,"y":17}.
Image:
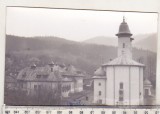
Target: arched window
{"x":100,"y":93}
{"x":99,"y":84}
{"x":124,"y":45}
{"x":121,"y":85}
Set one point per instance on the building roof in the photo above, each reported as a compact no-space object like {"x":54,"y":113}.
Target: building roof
{"x":99,"y":77}
{"x":46,"y":74}
{"x":124,"y":29}
{"x":147,"y":82}
{"x":10,"y":79}
{"x":70,"y":70}
{"x":100,"y":72}
{"x":123,"y":61}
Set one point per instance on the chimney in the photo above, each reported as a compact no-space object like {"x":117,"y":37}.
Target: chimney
{"x":51,"y":65}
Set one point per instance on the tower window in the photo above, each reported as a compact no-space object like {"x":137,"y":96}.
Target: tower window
{"x":100,"y":93}
{"x":124,"y":45}
{"x":121,"y":85}
{"x":99,"y":84}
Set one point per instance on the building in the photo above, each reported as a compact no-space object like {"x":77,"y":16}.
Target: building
{"x":147,"y":87}
{"x":120,"y":81}
{"x":52,"y":77}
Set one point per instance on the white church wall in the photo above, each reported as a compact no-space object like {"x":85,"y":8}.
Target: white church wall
{"x":127,"y":49}
{"x":122,"y":76}
{"x":110,"y":85}
{"x":135,"y":85}
{"x":99,"y":86}
{"x":141,"y":85}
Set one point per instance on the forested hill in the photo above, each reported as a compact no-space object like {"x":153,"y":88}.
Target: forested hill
{"x":22,"y":52}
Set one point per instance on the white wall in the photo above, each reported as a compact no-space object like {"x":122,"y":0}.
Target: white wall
{"x":135,"y":85}
{"x":98,"y":88}
{"x":110,"y":86}
{"x":122,"y":75}
{"x":127,"y":50}
{"x":132,"y":79}
{"x":141,"y":85}
{"x":79,"y":84}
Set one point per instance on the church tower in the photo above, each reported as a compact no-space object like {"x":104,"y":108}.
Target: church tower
{"x":124,"y":40}
{"x":120,"y":81}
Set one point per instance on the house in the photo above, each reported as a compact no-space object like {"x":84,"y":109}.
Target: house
{"x":120,"y":81}
{"x":52,"y":77}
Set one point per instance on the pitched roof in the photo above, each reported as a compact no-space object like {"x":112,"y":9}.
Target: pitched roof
{"x":45,"y":73}
{"x":122,"y":60}
{"x":147,"y":82}
{"x":10,"y":79}
{"x":100,"y":72}
{"x":99,"y":77}
{"x":70,"y":70}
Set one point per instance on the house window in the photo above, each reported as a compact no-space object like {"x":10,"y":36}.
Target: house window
{"x":99,"y":84}
{"x":100,"y":93}
{"x":39,"y":87}
{"x":38,"y":76}
{"x":24,"y":75}
{"x":21,"y":85}
{"x":45,"y":76}
{"x":121,"y":85}
{"x":124,"y":45}
{"x":52,"y":69}
{"x":35,"y":87}
{"x":86,"y":98}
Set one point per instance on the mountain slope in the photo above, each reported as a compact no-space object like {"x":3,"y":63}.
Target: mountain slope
{"x":102,"y":40}
{"x":144,"y":41}
{"x":148,"y":43}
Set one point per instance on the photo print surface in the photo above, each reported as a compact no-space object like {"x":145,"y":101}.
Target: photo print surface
{"x":80,"y":57}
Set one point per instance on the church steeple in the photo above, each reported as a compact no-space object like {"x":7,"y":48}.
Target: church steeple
{"x":124,"y":40}
{"x":124,"y":29}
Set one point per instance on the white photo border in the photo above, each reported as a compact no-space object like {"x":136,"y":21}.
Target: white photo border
{"x":108,"y":5}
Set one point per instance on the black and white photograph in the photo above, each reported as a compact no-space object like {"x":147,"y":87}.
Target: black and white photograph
{"x":68,"y":57}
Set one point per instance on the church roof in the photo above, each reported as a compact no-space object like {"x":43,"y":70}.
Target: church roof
{"x":124,"y":29}
{"x":122,"y":60}
{"x":100,"y":72}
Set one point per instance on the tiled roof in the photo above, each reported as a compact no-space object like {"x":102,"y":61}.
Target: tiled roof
{"x":72,"y":71}
{"x":122,"y":60}
{"x":45,"y":73}
{"x":10,"y":79}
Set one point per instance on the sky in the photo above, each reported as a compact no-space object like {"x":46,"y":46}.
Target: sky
{"x":76,"y":25}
